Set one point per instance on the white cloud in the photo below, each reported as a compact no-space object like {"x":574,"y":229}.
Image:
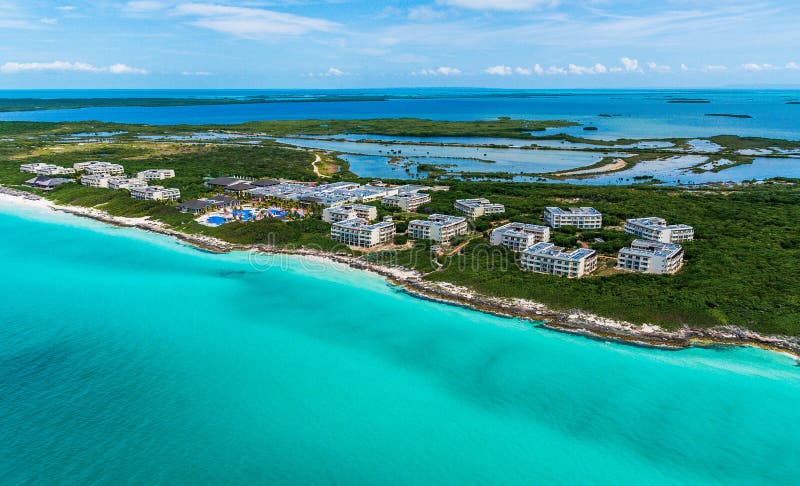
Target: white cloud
{"x":684,"y":67}
{"x":793,"y":66}
{"x":196,"y":73}
{"x":425,"y":14}
{"x":759,"y":67}
{"x":250,"y":23}
{"x":144,"y":6}
{"x":125,"y":69}
{"x":332,"y":71}
{"x":499,"y":70}
{"x":64,"y":66}
{"x":629,"y":64}
{"x":615,"y":69}
{"x":48,"y":21}
{"x":556,"y":70}
{"x":523,"y":71}
{"x":66,"y":8}
{"x":715,"y":68}
{"x":600,"y":68}
{"x":440,"y":71}
{"x":659,"y":68}
{"x":500,"y":4}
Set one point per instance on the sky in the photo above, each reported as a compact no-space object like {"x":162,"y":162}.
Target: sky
{"x":369,"y":44}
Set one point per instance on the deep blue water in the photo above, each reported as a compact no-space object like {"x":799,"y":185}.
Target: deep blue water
{"x":128,"y":358}
{"x":642,"y":114}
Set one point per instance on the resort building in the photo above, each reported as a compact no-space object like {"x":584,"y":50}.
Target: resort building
{"x":223,"y":182}
{"x":657,"y":229}
{"x":475,"y":208}
{"x":582,"y":218}
{"x":46,"y":183}
{"x":266,"y":182}
{"x":553,"y":260}
{"x":155,"y":193}
{"x":32,"y":168}
{"x":406,"y":201}
{"x":124,"y":183}
{"x":79,"y":166}
{"x":95,"y":181}
{"x":651,"y":257}
{"x":103,"y":168}
{"x":42,"y":169}
{"x":438,"y":227}
{"x":156,"y":174}
{"x":359,"y":232}
{"x":349,"y":211}
{"x":196,"y":206}
{"x":519,"y":236}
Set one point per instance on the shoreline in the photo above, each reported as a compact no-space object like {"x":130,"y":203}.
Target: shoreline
{"x":408,"y":281}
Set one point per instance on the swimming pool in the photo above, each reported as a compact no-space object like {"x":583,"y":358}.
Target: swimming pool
{"x":216,"y":220}
{"x":243,"y":214}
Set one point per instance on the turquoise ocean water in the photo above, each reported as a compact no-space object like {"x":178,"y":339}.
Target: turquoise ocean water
{"x":129,"y":358}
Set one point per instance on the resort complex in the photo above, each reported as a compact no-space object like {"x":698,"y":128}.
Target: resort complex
{"x":407,"y":201}
{"x":360,"y":233}
{"x":155,"y":193}
{"x":657,"y":229}
{"x":650,"y":257}
{"x":438,"y":227}
{"x":155,"y":174}
{"x":553,"y":260}
{"x":581,"y":218}
{"x":46,"y":169}
{"x":349,"y":211}
{"x":519,"y":236}
{"x":475,"y":208}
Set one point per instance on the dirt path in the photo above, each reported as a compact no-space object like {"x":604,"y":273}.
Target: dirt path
{"x":318,"y":159}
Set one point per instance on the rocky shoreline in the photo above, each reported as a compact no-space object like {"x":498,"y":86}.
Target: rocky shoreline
{"x":411,"y":282}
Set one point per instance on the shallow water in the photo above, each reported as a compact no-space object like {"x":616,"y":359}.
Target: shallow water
{"x":642,"y":113}
{"x":126,"y":357}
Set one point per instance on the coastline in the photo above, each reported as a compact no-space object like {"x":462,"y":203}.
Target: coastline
{"x":571,"y":321}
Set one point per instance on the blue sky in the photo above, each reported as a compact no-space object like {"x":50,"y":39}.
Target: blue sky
{"x":362,"y":44}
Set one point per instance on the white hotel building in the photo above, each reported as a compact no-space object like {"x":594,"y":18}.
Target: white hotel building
{"x":120,"y":182}
{"x":438,"y":227}
{"x":155,"y":193}
{"x":519,"y":236}
{"x":651,"y":257}
{"x":95,"y":181}
{"x":407,"y":201}
{"x":349,"y":211}
{"x":359,"y":232}
{"x":42,"y":169}
{"x":582,"y":218}
{"x":101,"y":168}
{"x":475,"y":208}
{"x":155,"y":174}
{"x":553,"y":260}
{"x":657,"y":229}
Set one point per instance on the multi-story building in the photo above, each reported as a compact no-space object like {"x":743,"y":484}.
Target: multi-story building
{"x":349,"y":211}
{"x":79,"y":166}
{"x":657,"y":229}
{"x":548,"y":258}
{"x":120,"y":182}
{"x":95,"y":180}
{"x":582,"y":218}
{"x":32,"y":168}
{"x":438,"y":227}
{"x":156,"y":193}
{"x":103,"y":168}
{"x":651,"y":257}
{"x":155,"y":174}
{"x":407,"y":201}
{"x":46,"y":183}
{"x":53,"y":170}
{"x":519,"y":236}
{"x":475,"y":208}
{"x":359,"y":232}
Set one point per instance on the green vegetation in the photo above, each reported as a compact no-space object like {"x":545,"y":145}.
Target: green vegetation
{"x":742,"y":269}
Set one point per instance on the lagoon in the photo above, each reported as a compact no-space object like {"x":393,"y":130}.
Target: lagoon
{"x":127,"y":357}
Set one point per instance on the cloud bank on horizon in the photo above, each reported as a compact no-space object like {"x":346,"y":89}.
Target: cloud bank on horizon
{"x":362,"y":43}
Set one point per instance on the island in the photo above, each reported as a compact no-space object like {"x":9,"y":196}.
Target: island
{"x":737,"y":282}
